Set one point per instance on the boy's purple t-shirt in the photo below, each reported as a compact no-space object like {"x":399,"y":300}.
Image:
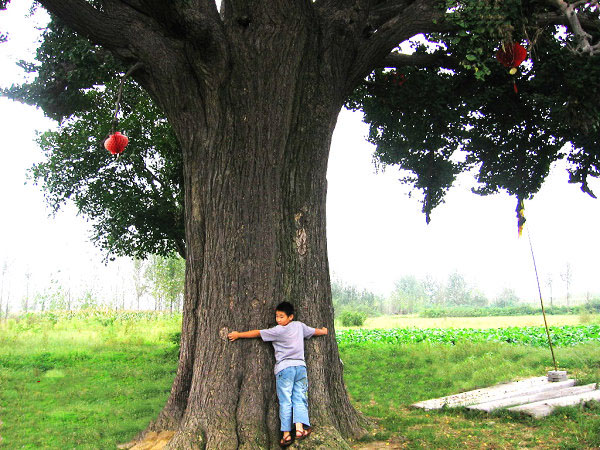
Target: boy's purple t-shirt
{"x":288,"y":342}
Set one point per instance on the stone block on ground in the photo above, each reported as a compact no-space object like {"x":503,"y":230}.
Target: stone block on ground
{"x":562,"y":389}
{"x":488,"y":394}
{"x":545,"y":407}
{"x":557,"y":375}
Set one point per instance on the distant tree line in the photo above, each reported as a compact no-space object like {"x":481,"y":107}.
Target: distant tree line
{"x":162,"y":279}
{"x":412,"y":295}
{"x":431,"y":298}
{"x":159,"y":277}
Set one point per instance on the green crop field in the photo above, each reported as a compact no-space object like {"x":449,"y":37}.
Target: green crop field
{"x":566,"y":335}
{"x":94,"y":379}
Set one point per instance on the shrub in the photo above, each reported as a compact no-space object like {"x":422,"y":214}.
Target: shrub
{"x":353,"y":318}
{"x":174,"y":338}
{"x":592,"y":307}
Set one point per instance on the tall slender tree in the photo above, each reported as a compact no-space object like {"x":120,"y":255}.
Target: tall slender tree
{"x":4,"y":270}
{"x":26,"y":299}
{"x":549,"y":283}
{"x":139,"y":282}
{"x":567,"y":277}
{"x":252,"y":92}
{"x":166,"y":280}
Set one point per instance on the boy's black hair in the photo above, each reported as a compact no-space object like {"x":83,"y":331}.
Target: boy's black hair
{"x":285,"y":307}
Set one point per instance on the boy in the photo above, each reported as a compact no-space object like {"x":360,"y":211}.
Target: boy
{"x":290,"y":368}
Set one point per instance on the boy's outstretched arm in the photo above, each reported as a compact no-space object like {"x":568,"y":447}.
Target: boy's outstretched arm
{"x":243,"y":334}
{"x":320,"y":331}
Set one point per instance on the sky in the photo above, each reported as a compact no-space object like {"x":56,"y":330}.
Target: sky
{"x":376,"y":231}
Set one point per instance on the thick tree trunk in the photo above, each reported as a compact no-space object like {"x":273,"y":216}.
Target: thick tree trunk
{"x":255,"y":191}
{"x":253,"y":93}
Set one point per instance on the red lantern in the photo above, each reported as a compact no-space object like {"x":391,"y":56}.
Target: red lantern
{"x":397,"y":79}
{"x":511,"y":56}
{"x":116,"y":143}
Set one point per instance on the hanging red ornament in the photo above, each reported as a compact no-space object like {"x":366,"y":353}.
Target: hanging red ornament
{"x":394,"y":78}
{"x":399,"y":79}
{"x":511,"y":56}
{"x":116,"y":143}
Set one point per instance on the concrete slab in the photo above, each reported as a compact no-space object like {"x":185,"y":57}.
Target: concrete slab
{"x":545,"y":407}
{"x":557,"y":375}
{"x":488,"y":394}
{"x":532,"y":397}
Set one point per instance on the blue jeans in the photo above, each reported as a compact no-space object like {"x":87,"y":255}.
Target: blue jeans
{"x":292,"y":389}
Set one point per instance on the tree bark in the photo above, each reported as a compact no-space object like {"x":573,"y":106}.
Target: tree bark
{"x":255,"y":193}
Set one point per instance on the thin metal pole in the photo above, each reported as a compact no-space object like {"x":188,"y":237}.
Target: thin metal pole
{"x":542,"y":301}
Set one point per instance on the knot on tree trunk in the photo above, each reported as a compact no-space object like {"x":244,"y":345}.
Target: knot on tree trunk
{"x":301,"y":240}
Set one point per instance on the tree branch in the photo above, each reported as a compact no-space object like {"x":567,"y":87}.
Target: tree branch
{"x":384,"y":12}
{"x":396,"y":59}
{"x":387,"y":10}
{"x":589,"y":25}
{"x":180,"y":246}
{"x":403,"y":20}
{"x":118,"y":27}
{"x":584,"y":39}
{"x":88,"y":21}
{"x":189,"y":39}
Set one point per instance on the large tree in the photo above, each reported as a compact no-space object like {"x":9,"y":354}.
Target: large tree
{"x":252,"y":91}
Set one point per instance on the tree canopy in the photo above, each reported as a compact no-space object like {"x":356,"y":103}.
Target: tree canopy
{"x":468,"y":112}
{"x":135,"y":202}
{"x":446,"y":106}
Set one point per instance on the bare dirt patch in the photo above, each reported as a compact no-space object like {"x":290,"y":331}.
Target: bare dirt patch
{"x":152,"y":441}
{"x":391,"y":444}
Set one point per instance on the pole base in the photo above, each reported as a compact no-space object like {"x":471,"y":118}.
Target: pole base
{"x":557,"y":375}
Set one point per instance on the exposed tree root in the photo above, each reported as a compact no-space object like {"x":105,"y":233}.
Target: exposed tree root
{"x":152,"y":441}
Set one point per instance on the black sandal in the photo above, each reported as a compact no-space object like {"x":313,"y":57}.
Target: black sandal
{"x":305,"y":433}
{"x":286,"y":441}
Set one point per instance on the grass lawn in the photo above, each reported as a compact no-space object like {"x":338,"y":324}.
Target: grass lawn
{"x":83,"y":385}
{"x":91,"y":384}
{"x":383,"y":380}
